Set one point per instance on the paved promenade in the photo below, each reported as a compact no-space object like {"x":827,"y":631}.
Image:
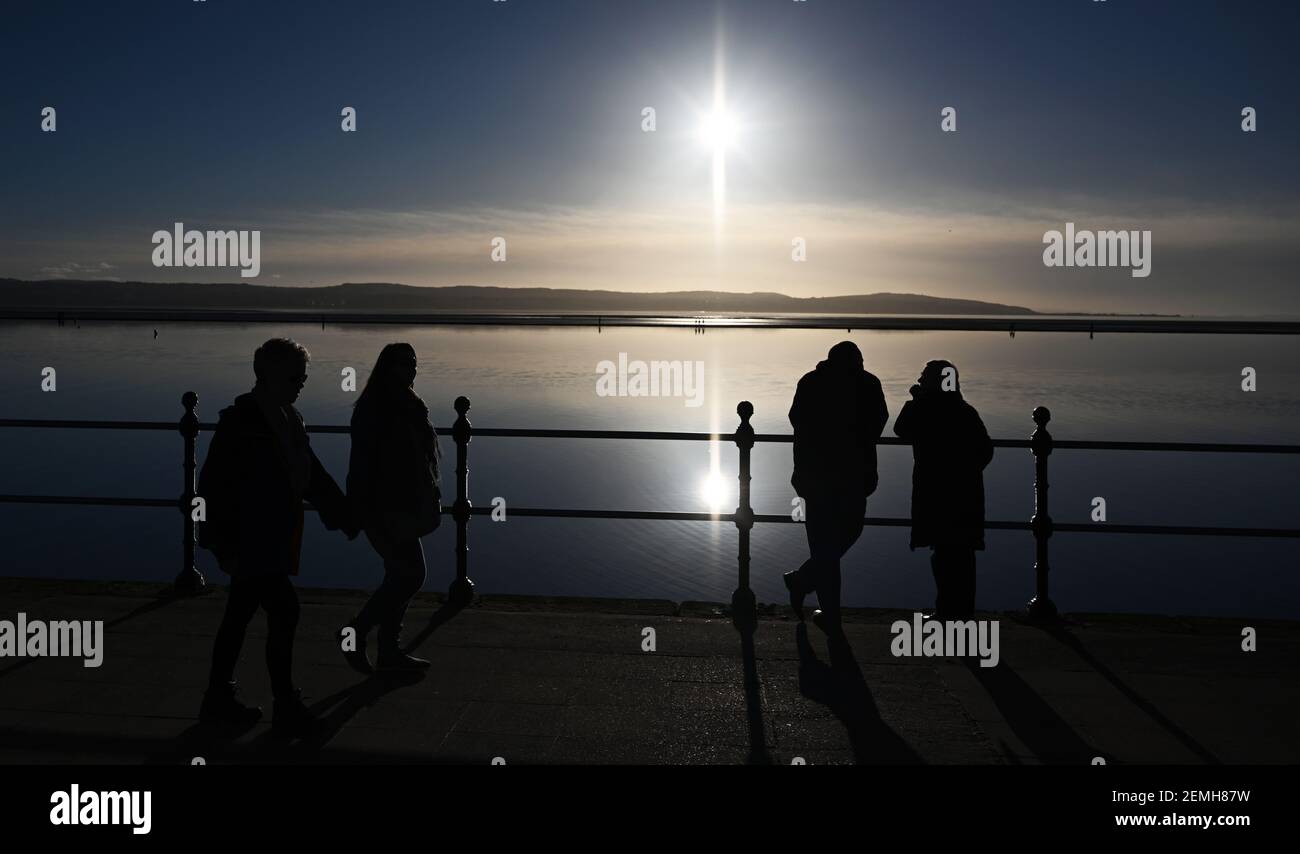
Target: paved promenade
{"x":534,"y":680}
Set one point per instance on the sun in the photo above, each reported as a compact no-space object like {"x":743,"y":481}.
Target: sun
{"x":714,"y":491}
{"x":717,"y":131}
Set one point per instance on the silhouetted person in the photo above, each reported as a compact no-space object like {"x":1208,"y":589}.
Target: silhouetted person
{"x":838,"y":413}
{"x":259,"y":468}
{"x":393,"y":486}
{"x":950,"y":449}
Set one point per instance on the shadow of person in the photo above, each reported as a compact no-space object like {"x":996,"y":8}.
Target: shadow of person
{"x":1045,"y":733}
{"x":208,"y":740}
{"x":333,"y":712}
{"x":1062,"y":635}
{"x":449,"y":608}
{"x":348,"y":702}
{"x":841,"y":687}
{"x":342,"y":707}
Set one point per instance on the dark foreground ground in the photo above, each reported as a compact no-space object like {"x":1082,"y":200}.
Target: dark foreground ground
{"x":567,"y":681}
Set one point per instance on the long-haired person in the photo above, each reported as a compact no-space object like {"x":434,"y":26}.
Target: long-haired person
{"x":259,"y":468}
{"x":393,"y":488}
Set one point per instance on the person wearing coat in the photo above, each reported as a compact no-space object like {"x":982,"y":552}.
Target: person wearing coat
{"x":838,"y":414}
{"x":259,"y":468}
{"x":950,"y":450}
{"x":393,"y":488}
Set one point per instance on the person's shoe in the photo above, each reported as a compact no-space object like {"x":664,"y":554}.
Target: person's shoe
{"x":794,"y":583}
{"x":220,"y":707}
{"x":827,"y":624}
{"x":395,"y":659}
{"x":357,"y":658}
{"x":947,"y":618}
{"x":293,"y":719}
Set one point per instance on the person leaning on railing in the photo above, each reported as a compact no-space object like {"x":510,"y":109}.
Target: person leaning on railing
{"x":259,"y":468}
{"x":838,"y":414}
{"x":950,"y":450}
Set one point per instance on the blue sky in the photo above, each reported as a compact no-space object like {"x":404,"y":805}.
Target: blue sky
{"x":523,"y":119}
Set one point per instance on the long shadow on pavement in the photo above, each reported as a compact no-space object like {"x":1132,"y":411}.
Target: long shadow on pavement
{"x":758,"y":753}
{"x":343,"y":705}
{"x":1045,"y":733}
{"x":841,"y":687}
{"x":1062,"y":635}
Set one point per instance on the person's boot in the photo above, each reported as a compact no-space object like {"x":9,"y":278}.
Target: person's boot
{"x":357,"y":658}
{"x":391,"y":656}
{"x":292,"y":718}
{"x":220,"y":707}
{"x":828,"y":623}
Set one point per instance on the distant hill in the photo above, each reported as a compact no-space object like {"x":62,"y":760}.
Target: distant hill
{"x":385,"y":297}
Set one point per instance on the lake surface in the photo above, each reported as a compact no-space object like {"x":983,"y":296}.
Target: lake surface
{"x":1118,"y":386}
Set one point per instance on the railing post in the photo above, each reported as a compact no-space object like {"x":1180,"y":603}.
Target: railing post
{"x":462,"y":589}
{"x":189,"y":579}
{"x":743,"y":604}
{"x":1041,"y":607}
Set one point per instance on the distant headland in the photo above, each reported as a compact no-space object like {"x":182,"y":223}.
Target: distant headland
{"x":73,"y":295}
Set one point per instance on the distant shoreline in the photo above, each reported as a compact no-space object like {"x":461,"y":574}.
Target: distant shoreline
{"x":918,"y":322}
{"x":385,"y":303}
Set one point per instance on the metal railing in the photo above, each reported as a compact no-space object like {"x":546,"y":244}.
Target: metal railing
{"x":744,"y":606}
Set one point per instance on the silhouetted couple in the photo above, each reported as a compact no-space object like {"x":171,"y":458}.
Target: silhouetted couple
{"x":259,"y":469}
{"x":838,"y":415}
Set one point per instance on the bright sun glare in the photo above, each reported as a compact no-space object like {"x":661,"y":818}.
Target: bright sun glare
{"x":718,"y":131}
{"x":714,"y":491}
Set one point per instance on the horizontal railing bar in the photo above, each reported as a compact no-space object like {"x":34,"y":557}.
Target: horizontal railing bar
{"x":91,"y":500}
{"x":526,"y":433}
{"x":689,"y":516}
{"x":1192,"y":530}
{"x":1211,"y":447}
{"x":90,"y":425}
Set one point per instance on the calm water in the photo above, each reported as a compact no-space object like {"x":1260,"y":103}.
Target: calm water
{"x":1125,"y":387}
